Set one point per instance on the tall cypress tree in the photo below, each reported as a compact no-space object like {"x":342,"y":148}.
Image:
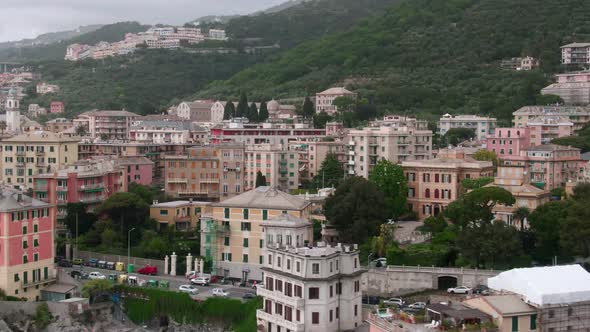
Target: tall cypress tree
{"x":242,"y":109}
{"x":253,"y":113}
{"x":263,"y":112}
{"x":308,"y":109}
{"x":229,"y":111}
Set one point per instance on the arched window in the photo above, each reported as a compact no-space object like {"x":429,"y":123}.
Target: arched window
{"x":427,"y":193}
{"x":436,"y":193}
{"x":499,"y":133}
{"x":508,"y":133}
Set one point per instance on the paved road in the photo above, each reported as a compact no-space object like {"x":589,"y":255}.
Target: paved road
{"x":175,"y":282}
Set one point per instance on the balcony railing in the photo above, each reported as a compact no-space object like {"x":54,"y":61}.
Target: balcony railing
{"x":177,"y":180}
{"x":279,"y":320}
{"x":193,"y":192}
{"x":31,"y":283}
{"x":277,"y":296}
{"x":40,"y":153}
{"x":209,"y":180}
{"x":20,"y":153}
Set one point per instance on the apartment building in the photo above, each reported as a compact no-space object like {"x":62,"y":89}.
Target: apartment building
{"x":27,"y":155}
{"x":550,"y":166}
{"x":544,"y":129}
{"x":58,"y":125}
{"x":135,"y":169}
{"x":27,"y":241}
{"x":198,"y":110}
{"x":209,"y":172}
{"x":280,"y":167}
{"x":216,"y":34}
{"x":560,"y":296}
{"x":516,"y":180}
{"x":315,"y":289}
{"x":572,"y":87}
{"x":179,"y":215}
{"x":508,"y":141}
{"x":86,"y":181}
{"x":271,"y":133}
{"x":107,"y":125}
{"x":325,"y":99}
{"x":483,"y":126}
{"x":578,"y":115}
{"x":434,"y":184}
{"x":575,"y":54}
{"x":510,"y":312}
{"x":44,"y":88}
{"x":57,"y":107}
{"x":397,"y":144}
{"x":232,"y":237}
{"x":313,"y":153}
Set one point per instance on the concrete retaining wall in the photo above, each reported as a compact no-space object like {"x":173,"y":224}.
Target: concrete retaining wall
{"x":137,"y":261}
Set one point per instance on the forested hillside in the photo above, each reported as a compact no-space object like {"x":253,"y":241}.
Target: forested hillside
{"x":144,"y":83}
{"x":304,"y":21}
{"x":55,"y":51}
{"x":428,"y":56}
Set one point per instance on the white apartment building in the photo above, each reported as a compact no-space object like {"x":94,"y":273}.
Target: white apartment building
{"x":369,"y":145}
{"x":483,"y":126}
{"x":575,"y":53}
{"x":324,"y":99}
{"x":310,"y":289}
{"x":161,"y":135}
{"x":279,"y":166}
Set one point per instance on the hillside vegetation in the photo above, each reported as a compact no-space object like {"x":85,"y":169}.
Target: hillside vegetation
{"x":304,"y":20}
{"x":428,"y":56}
{"x":109,"y":33}
{"x":144,"y":83}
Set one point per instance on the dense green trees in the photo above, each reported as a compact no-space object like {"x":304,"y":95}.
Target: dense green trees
{"x":330,"y":174}
{"x":457,"y":135}
{"x":390,"y":179}
{"x":263,"y":112}
{"x":252,"y":113}
{"x":581,"y":140}
{"x":260,"y":179}
{"x":242,"y":109}
{"x":469,"y":184}
{"x":486,"y":155}
{"x":355,"y":220}
{"x":229,"y":111}
{"x":308,"y":109}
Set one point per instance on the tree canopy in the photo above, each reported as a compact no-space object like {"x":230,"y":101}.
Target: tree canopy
{"x":390,"y":179}
{"x":330,"y":174}
{"x":308,"y":108}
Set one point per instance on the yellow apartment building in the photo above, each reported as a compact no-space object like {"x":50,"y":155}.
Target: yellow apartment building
{"x":182,"y":215}
{"x":232,"y":237}
{"x":25,"y":156}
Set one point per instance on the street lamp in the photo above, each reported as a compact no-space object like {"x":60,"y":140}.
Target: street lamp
{"x":368,"y":274}
{"x":129,"y":246}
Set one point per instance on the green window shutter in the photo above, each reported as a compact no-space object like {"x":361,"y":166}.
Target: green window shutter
{"x":533,"y":322}
{"x":264,"y":214}
{"x":45,"y":273}
{"x":246,"y":214}
{"x":246,"y":243}
{"x":226,"y":213}
{"x":514,"y":324}
{"x":25,"y":277}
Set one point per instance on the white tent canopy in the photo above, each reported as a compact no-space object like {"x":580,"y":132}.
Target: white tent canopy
{"x":550,"y":285}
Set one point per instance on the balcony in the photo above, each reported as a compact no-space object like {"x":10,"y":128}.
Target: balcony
{"x":39,"y":153}
{"x":62,"y":188}
{"x":209,"y":180}
{"x":294,"y":302}
{"x":182,"y":218}
{"x":20,"y":164}
{"x":403,"y":143}
{"x":279,"y":320}
{"x":94,"y":199}
{"x":177,"y":180}
{"x":351,"y":153}
{"x":40,"y":163}
{"x":41,"y":188}
{"x":351,"y":143}
{"x":32,"y":283}
{"x":351,"y":162}
{"x":93,"y":187}
{"x":351,"y":172}
{"x":193,"y":192}
{"x":20,"y":153}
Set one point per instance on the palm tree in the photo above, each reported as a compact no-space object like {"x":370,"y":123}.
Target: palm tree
{"x":521,"y":214}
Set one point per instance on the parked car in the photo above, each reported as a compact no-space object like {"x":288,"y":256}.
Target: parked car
{"x":78,"y":261}
{"x":188,"y":289}
{"x":96,"y":275}
{"x":102,"y":264}
{"x":396,"y":301}
{"x":191,"y":274}
{"x":110,"y":265}
{"x":79,"y":274}
{"x":65,"y":263}
{"x":417,"y":306}
{"x":371,"y":300}
{"x":481,"y":289}
{"x":459,"y":290}
{"x":202,"y":281}
{"x":248,"y":296}
{"x":380,"y":262}
{"x":93,"y":262}
{"x":219,"y":292}
{"x":148,"y":269}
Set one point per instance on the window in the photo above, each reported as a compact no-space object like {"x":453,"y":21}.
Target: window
{"x":35,"y":228}
{"x":261,"y":260}
{"x":533,"y":325}
{"x":331,"y":290}
{"x":298,"y":266}
{"x":163,"y":212}
{"x":16,"y":277}
{"x":514,"y":324}
{"x":226,"y":241}
{"x":288,"y":289}
{"x":357,"y":286}
{"x":278,"y":309}
{"x":246,"y":226}
{"x":246,"y":212}
{"x":226,"y":213}
{"x":261,"y":243}
{"x":288,"y":264}
{"x":315,"y":318}
{"x":245,"y":258}
{"x":35,"y":257}
{"x":264,"y":214}
{"x":298,"y":291}
{"x":269,"y":283}
{"x":25,"y":277}
{"x":288,"y":314}
{"x":427,"y":193}
{"x":298,"y":315}
{"x":45,"y":273}
{"x":278,"y":285}
{"x":278,"y":261}
{"x":338,"y":288}
{"x":356,"y":310}
{"x":24,"y":228}
{"x":337,"y":312}
{"x":35,"y":242}
{"x":331,"y":315}
{"x":245,"y":243}
{"x":314,"y":293}
{"x":226,"y":256}
{"x":25,"y":259}
{"x":25,"y":244}
{"x":315,"y":268}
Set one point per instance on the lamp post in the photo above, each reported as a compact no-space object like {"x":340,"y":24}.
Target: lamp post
{"x":129,"y":246}
{"x":368,"y":274}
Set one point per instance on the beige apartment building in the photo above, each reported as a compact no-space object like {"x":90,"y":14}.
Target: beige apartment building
{"x":232,"y":236}
{"x":107,"y":125}
{"x":179,"y":215}
{"x":317,"y":152}
{"x":280,"y":167}
{"x":27,"y":155}
{"x":208,"y":172}
{"x":325,"y":99}
{"x":578,"y":115}
{"x":394,"y":143}
{"x":434,"y":184}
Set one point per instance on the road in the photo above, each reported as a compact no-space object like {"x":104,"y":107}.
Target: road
{"x":175,"y":281}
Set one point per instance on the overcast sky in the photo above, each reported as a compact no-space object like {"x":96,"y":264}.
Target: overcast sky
{"x":28,"y":18}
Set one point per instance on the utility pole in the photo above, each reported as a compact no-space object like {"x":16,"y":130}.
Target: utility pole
{"x":76,"y":248}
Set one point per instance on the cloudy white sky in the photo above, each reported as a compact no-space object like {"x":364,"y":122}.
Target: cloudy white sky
{"x":28,"y":18}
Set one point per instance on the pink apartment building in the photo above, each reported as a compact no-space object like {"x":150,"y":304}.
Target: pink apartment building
{"x":57,"y":107}
{"x":508,"y":141}
{"x":549,"y":166}
{"x":27,"y":245}
{"x":136,"y":170}
{"x":544,"y":129}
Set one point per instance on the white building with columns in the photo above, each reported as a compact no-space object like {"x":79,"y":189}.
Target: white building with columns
{"x":308,"y":289}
